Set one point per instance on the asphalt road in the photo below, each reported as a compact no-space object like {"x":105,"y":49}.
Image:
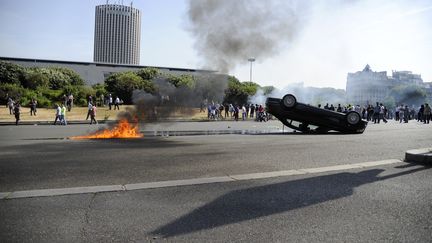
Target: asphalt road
{"x":383,"y":203}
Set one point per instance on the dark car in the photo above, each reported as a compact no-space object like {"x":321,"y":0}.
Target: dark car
{"x":301,"y":116}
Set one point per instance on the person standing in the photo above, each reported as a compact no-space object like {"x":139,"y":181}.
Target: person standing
{"x":427,"y":113}
{"x":10,"y":104}
{"x":33,"y":104}
{"x":221,"y":109}
{"x":231,"y":109}
{"x":252,"y":110}
{"x":236,"y":112}
{"x":110,"y":101}
{"x":401,"y":113}
{"x":63,"y":115}
{"x":93,"y":115}
{"x":376,"y":114}
{"x":226,"y":110}
{"x":17,"y":113}
{"x":244,"y":113}
{"x":65,"y":99}
{"x":116,"y":103}
{"x":70,"y":102}
{"x":102,"y":100}
{"x":382,"y":113}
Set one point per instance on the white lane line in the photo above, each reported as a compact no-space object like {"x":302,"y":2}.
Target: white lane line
{"x":159,"y":184}
{"x":188,"y":182}
{"x":63,"y":191}
{"x":381,"y":162}
{"x":4,"y":195}
{"x":267,"y":175}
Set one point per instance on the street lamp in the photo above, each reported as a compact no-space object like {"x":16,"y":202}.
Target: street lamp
{"x":251,"y":60}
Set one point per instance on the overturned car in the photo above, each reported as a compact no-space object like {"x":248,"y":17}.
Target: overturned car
{"x":301,"y":117}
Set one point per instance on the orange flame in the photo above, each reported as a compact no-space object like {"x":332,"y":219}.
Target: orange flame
{"x":123,"y":129}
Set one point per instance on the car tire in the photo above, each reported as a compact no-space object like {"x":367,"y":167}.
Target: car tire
{"x":353,"y":117}
{"x":289,"y":101}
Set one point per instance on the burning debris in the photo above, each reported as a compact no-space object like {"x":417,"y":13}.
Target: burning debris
{"x":168,"y":101}
{"x":123,"y":129}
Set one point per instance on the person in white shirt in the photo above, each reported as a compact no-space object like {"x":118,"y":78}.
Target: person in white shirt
{"x":57,"y":114}
{"x":89,"y":109}
{"x":116,"y":103}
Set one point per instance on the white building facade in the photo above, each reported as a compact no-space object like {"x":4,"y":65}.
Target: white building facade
{"x":368,"y":87}
{"x":117,"y":34}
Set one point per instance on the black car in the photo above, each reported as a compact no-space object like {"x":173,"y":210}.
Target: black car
{"x":301,"y":117}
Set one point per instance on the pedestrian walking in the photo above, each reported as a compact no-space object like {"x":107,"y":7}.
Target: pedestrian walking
{"x":63,"y":115}
{"x":116,"y":103}
{"x":89,"y":108}
{"x":17,"y":113}
{"x":57,"y":114}
{"x":93,"y":115}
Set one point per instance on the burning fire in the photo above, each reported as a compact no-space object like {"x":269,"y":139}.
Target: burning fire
{"x":123,"y":129}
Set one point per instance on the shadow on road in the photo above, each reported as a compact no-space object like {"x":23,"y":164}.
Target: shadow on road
{"x":252,"y":203}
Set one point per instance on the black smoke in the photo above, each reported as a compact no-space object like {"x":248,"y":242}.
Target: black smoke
{"x":228,"y":32}
{"x":170,"y":101}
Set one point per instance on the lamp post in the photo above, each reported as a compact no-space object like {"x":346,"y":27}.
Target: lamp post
{"x":251,"y":60}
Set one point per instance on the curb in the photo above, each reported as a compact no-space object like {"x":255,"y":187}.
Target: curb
{"x":421,"y":156}
{"x":34,"y":123}
{"x":37,"y":123}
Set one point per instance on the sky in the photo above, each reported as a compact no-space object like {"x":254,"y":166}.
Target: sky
{"x":332,"y":38}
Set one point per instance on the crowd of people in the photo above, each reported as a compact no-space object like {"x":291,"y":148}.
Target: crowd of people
{"x":65,"y":106}
{"x":216,"y":111}
{"x":375,"y":113}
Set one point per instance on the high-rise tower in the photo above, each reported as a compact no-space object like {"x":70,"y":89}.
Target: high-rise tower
{"x":117,"y":34}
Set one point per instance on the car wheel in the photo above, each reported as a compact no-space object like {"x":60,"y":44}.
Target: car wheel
{"x":289,"y":101}
{"x":353,"y":118}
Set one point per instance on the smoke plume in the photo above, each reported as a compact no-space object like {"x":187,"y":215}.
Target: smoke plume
{"x":170,"y":101}
{"x":308,"y":95}
{"x":228,"y":32}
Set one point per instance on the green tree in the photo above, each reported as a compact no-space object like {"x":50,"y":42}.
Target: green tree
{"x":72,"y":77}
{"x":99,"y":89}
{"x":34,"y":79}
{"x":11,"y":73}
{"x":182,"y":81}
{"x":148,"y":73}
{"x":238,"y":92}
{"x":124,"y":83}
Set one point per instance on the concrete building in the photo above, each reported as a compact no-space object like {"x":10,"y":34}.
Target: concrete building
{"x":93,"y":73}
{"x":117,"y":34}
{"x":368,"y":87}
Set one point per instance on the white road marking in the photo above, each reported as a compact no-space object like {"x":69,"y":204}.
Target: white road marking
{"x":188,"y":182}
{"x":159,"y":184}
{"x":266,"y":175}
